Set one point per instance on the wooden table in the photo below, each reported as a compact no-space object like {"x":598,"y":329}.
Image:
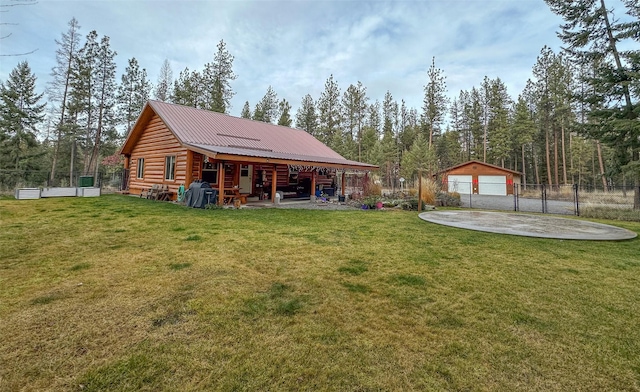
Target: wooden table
{"x":232,"y":194}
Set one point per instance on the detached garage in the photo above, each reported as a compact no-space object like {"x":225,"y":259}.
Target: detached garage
{"x":479,"y":178}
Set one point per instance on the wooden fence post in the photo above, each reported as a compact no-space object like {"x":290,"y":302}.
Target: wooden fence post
{"x":420,"y":190}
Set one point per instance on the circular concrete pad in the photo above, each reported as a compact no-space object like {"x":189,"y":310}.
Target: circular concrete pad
{"x":528,"y":225}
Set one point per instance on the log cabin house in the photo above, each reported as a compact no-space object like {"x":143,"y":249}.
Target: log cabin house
{"x":176,"y":145}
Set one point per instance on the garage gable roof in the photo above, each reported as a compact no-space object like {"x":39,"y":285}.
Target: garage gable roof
{"x":221,"y":133}
{"x":474,"y":162}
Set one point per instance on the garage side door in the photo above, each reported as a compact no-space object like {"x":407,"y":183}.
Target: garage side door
{"x":459,"y":183}
{"x":492,"y":185}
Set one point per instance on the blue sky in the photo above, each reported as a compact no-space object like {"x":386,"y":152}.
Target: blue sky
{"x":294,"y":46}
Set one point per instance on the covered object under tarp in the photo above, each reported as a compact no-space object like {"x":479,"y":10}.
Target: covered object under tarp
{"x":200,"y":194}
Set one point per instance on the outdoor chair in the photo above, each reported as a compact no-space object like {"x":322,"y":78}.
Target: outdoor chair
{"x":151,"y":193}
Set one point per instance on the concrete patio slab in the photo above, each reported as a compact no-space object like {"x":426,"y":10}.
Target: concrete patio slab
{"x":528,"y":225}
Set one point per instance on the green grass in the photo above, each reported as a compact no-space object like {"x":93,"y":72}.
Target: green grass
{"x":162,"y":297}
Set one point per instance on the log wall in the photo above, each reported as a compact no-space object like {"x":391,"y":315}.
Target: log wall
{"x":155,"y":144}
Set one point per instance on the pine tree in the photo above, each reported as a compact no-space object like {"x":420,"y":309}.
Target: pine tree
{"x":284,"y":109}
{"x":246,"y":110}
{"x":82,"y":106}
{"x":354,"y":110}
{"x":61,"y":79}
{"x":217,"y":77}
{"x":435,"y":102}
{"x":133,"y":93}
{"x":20,"y":114}
{"x":104,"y":80}
{"x":498,"y":124}
{"x":267,"y":108}
{"x":329,"y":111}
{"x":542,"y":72}
{"x":306,"y":116}
{"x":419,"y":157}
{"x":165,"y":83}
{"x":371,"y":132}
{"x":523,"y":128}
{"x":186,"y":89}
{"x":593,"y":37}
{"x":388,"y":145}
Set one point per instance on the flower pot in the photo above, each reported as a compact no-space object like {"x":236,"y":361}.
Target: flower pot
{"x":379,"y":205}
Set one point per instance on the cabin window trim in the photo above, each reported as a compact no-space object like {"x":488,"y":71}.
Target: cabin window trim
{"x":170,"y":167}
{"x":140,"y":168}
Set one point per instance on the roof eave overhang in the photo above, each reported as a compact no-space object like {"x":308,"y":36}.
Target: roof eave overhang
{"x":280,"y":161}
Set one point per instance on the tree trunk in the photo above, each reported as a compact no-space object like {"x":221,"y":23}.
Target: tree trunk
{"x":535,"y":164}
{"x":564,"y":156}
{"x":524,"y":170}
{"x":616,"y":55}
{"x":604,"y":178}
{"x":548,"y":157}
{"x":556,"y":175}
{"x":484,"y":143}
{"x":573,"y":177}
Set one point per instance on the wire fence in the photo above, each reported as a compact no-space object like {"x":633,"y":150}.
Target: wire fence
{"x":107,"y":180}
{"x":537,"y":198}
{"x":541,"y":198}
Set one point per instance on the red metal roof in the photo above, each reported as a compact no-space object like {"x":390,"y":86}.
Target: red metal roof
{"x":221,"y":133}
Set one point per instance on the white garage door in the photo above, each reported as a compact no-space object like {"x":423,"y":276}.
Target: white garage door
{"x":459,"y":183}
{"x":492,"y":185}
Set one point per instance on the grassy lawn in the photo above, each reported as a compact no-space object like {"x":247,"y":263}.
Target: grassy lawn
{"x":119,"y":293}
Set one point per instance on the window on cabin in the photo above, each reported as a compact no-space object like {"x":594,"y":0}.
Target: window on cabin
{"x":210,"y":172}
{"x":170,"y":167}
{"x":140,"y":168}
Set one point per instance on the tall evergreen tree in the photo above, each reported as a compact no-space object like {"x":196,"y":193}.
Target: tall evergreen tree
{"x":354,"y":110}
{"x":306,"y":116}
{"x":284,"y":108}
{"x":104,"y":80}
{"x":133,"y":93}
{"x":371,"y":132}
{"x":165,"y":83}
{"x":329,"y":112}
{"x":542,"y":72}
{"x":267,"y":108}
{"x":186,"y":89}
{"x":419,"y":157}
{"x":388,"y":145}
{"x":523,"y":128}
{"x":498,"y":123}
{"x":61,"y":79}
{"x":82,"y":105}
{"x":435,"y":103}
{"x":217,"y":77}
{"x":246,"y":110}
{"x":20,"y":115}
{"x":592,"y":36}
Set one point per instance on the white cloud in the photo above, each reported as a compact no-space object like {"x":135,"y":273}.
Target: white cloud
{"x":295,"y":45}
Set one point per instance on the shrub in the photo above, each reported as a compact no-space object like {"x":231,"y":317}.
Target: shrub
{"x":430,"y":190}
{"x":449,"y":199}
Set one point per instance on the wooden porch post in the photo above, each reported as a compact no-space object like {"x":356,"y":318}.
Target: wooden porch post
{"x":342,"y":186}
{"x":188,"y":177}
{"x":274,"y":183}
{"x":313,"y":184}
{"x":220,"y":183}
